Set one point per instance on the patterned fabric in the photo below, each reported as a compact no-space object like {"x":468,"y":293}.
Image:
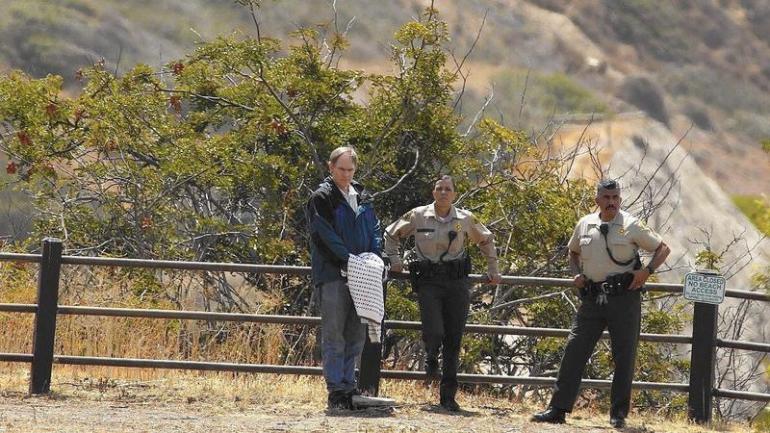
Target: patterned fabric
{"x":365,"y":282}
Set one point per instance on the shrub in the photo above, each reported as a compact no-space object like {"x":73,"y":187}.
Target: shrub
{"x":551,"y":5}
{"x":642,"y":93}
{"x":699,"y":116}
{"x":756,"y":209}
{"x":545,"y":95}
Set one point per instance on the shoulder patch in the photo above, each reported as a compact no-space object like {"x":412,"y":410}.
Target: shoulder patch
{"x":466,"y":214}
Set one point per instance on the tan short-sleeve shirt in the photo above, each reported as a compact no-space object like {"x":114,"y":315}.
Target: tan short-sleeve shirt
{"x":431,"y":235}
{"x":625,"y":236}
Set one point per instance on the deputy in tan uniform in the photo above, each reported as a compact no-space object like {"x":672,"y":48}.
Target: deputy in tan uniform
{"x":608,"y":272}
{"x":440,"y":276}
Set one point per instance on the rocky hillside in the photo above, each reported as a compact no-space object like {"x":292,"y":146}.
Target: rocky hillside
{"x":700,"y":62}
{"x":703,"y":64}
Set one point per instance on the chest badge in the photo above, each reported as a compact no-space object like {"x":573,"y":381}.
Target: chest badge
{"x":622,"y":231}
{"x":458,"y":227}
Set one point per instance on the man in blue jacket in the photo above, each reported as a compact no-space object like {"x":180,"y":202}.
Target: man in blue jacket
{"x":342,"y":221}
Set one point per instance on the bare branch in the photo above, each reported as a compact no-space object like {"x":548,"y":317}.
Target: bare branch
{"x":401,"y":179}
{"x":527,"y":300}
{"x":477,"y":117}
{"x":523,"y":94}
{"x":254,"y":18}
{"x":660,"y":165}
{"x":459,"y":65}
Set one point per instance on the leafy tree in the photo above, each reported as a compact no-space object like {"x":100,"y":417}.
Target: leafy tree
{"x":756,"y":209}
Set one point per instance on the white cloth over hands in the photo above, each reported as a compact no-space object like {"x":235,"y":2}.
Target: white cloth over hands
{"x":365,"y":283}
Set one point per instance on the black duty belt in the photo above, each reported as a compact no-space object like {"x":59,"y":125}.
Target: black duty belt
{"x":614,"y":285}
{"x":453,"y":269}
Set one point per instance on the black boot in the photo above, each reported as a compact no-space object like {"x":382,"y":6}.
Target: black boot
{"x":338,"y":400}
{"x":447,"y":395}
{"x":431,"y":369}
{"x":551,"y":415}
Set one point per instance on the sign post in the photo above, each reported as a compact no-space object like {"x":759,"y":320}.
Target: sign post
{"x":707,"y":289}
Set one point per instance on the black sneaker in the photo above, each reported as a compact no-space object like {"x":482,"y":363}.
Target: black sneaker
{"x":338,"y":400}
{"x":551,"y":415}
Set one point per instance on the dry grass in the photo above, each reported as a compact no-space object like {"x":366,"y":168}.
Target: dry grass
{"x":144,"y":338}
{"x":116,"y":399}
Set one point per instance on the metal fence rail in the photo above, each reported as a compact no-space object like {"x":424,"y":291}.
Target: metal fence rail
{"x":743,"y":345}
{"x":20,"y":258}
{"x":388,"y":374}
{"x":318,"y":371}
{"x":743,"y":395}
{"x":704,"y":340}
{"x":315,"y":321}
{"x":305,"y":270}
{"x":16,"y":357}
{"x":391,"y":324}
{"x":18,"y":308}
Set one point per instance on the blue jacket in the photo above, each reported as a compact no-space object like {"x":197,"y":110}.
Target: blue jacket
{"x":337,"y":231}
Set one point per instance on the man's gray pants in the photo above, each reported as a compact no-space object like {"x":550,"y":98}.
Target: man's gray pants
{"x":622,"y":316}
{"x":342,"y":336}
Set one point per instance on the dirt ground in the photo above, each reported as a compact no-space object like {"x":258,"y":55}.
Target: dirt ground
{"x":194,"y":403}
{"x":22,"y":414}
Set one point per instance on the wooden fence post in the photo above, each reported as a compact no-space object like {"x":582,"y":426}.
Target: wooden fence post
{"x":702,"y":362}
{"x":45,"y":318}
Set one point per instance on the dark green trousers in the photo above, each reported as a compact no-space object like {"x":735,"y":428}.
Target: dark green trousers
{"x":622,"y":316}
{"x":444,"y":310}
